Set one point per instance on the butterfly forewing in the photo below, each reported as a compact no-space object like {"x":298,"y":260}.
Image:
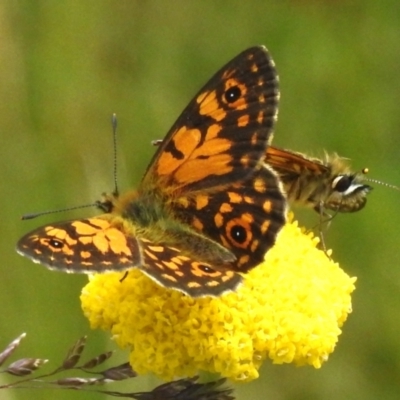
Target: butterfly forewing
{"x":84,"y":246}
{"x":223,"y":133}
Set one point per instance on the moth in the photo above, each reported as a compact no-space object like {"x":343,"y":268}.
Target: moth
{"x":327,"y":184}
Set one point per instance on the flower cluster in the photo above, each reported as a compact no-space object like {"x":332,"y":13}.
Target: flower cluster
{"x":289,"y":310}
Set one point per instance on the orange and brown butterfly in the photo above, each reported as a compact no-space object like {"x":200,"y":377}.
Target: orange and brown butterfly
{"x":323,"y":185}
{"x":207,"y":208}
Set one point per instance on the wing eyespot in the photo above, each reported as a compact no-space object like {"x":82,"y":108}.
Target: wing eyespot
{"x":232,"y":94}
{"x":238,"y":234}
{"x":57,"y":244}
{"x":206,"y":269}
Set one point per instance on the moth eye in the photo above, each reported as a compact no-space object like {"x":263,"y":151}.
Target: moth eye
{"x":232,"y":94}
{"x":342,"y":182}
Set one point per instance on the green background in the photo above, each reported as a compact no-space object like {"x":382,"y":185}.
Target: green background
{"x":67,"y":66}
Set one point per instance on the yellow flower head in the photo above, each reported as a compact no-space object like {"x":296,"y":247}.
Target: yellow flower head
{"x":289,"y":309}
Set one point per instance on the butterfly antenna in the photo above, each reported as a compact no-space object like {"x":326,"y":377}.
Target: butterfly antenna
{"x":365,"y":171}
{"x":103,"y":205}
{"x":157,"y":142}
{"x":39,"y":214}
{"x":114,"y":130}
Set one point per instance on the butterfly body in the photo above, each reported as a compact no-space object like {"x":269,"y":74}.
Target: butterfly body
{"x":327,"y":184}
{"x":207,"y":208}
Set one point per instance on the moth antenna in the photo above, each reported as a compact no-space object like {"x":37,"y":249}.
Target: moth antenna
{"x":39,"y":214}
{"x":114,"y":131}
{"x":383,"y":184}
{"x":365,"y":172}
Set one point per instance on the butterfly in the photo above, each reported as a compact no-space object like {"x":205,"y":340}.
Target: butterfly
{"x":207,"y":208}
{"x":320,"y":184}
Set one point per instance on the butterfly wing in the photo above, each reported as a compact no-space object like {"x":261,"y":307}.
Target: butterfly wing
{"x":245,"y":217}
{"x":214,"y":151}
{"x":223,"y":133}
{"x":169,"y":267}
{"x":82,"y":246}
{"x":103,"y":244}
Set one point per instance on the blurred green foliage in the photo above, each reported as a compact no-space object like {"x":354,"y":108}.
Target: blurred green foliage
{"x":67,"y":66}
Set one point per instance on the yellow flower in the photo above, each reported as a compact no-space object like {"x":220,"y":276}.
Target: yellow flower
{"x":289,"y":309}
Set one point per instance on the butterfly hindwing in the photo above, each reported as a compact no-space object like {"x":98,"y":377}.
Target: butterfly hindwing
{"x":244,"y":217}
{"x":169,"y":267}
